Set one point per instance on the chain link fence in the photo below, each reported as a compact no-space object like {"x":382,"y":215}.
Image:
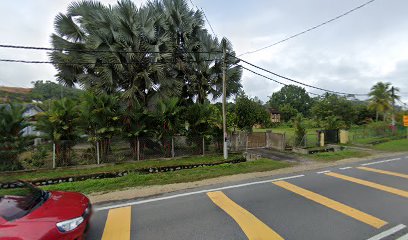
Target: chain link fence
{"x":375,"y":136}
{"x":47,"y":154}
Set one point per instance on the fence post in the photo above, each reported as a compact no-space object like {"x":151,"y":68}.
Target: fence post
{"x":138,"y":149}
{"x":305,"y":137}
{"x":53,"y":155}
{"x":246,"y":143}
{"x":98,"y":160}
{"x":172,"y":147}
{"x":203,"y":146}
{"x":284,"y":142}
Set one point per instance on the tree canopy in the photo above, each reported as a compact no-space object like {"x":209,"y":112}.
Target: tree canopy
{"x":295,"y":97}
{"x":158,"y":50}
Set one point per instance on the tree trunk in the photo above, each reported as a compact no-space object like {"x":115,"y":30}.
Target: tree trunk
{"x":376,"y":116}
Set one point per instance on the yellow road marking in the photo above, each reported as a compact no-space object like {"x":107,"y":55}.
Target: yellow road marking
{"x":253,"y":228}
{"x":384,"y":172}
{"x":117,"y":225}
{"x":370,"y":184}
{"x":349,"y":211}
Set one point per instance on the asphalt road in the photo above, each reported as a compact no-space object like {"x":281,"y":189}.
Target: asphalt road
{"x":356,"y":201}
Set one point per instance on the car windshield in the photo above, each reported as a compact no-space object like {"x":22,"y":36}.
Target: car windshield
{"x":18,"y":199}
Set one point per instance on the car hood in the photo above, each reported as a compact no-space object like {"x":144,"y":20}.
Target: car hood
{"x":60,"y":206}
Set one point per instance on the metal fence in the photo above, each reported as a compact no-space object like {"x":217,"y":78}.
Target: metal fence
{"x":308,"y":141}
{"x":374,"y":136}
{"x":46,"y":154}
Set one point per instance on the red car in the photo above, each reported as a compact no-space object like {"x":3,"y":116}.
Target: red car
{"x":29,"y":213}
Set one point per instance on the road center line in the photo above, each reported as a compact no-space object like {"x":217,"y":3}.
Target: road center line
{"x":117,"y":225}
{"x":253,"y":228}
{"x":370,"y":184}
{"x":383,"y":161}
{"x":388,"y":232}
{"x":337,"y":206}
{"x":384,"y":172}
{"x":194,"y":193}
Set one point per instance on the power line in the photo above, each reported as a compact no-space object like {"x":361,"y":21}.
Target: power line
{"x":298,"y":82}
{"x":103,"y":63}
{"x":205,"y":16}
{"x":92,"y":51}
{"x":309,"y":29}
{"x":274,"y":80}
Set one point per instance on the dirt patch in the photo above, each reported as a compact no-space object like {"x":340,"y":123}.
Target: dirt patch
{"x":139,"y":192}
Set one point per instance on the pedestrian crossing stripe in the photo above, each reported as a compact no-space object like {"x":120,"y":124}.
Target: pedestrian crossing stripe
{"x":392,"y":190}
{"x":337,"y":206}
{"x":117,"y":225}
{"x":253,"y":228}
{"x":401,"y":175}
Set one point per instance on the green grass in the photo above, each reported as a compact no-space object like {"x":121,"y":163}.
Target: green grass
{"x":393,"y":146}
{"x":335,"y":156}
{"x":190,"y":175}
{"x":47,"y":174}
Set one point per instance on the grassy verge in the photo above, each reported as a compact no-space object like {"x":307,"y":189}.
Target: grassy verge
{"x":334,"y":156}
{"x":393,"y":146}
{"x":41,"y":174}
{"x":135,"y":179}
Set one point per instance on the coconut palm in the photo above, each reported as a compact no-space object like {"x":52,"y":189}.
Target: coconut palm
{"x":381,"y":98}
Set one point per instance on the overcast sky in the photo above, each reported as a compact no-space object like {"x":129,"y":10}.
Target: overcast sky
{"x":348,"y":55}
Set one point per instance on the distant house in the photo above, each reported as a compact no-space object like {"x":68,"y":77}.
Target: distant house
{"x":30,"y":114}
{"x":274,"y":115}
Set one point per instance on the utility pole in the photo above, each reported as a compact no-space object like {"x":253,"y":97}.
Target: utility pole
{"x":393,"y":109}
{"x":224,"y":101}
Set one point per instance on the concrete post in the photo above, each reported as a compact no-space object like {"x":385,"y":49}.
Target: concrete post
{"x":138,"y":149}
{"x":98,"y":161}
{"x":172,"y":147}
{"x":344,"y":136}
{"x":53,"y":156}
{"x":203,"y":146}
{"x":321,"y":139}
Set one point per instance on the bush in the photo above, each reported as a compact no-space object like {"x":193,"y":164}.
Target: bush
{"x":379,"y":128}
{"x":36,"y":157}
{"x":300,"y":130}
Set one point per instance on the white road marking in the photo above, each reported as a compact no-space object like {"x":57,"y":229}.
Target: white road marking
{"x":345,"y":168}
{"x":383,"y":161}
{"x":194,"y":193}
{"x":388,"y":232}
{"x":405,"y":237}
{"x":323,"y":172}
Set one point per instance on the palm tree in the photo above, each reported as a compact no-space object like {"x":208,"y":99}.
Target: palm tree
{"x":167,"y":115}
{"x":100,"y":116}
{"x":122,"y":37}
{"x":148,"y":53}
{"x":381,"y":98}
{"x":59,"y":124}
{"x":136,"y":123}
{"x":12,"y":141}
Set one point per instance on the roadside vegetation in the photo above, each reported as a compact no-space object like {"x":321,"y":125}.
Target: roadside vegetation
{"x":70,"y":172}
{"x":339,"y":155}
{"x":393,"y":146}
{"x":190,"y":175}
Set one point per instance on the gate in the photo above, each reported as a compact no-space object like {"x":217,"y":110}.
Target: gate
{"x":330,"y":136}
{"x":256,"y":140}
